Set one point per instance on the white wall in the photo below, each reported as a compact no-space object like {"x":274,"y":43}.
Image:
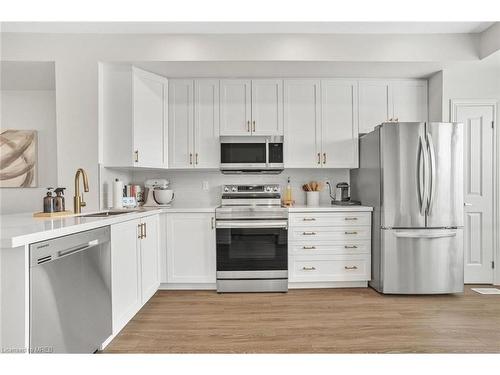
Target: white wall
{"x":31,"y":109}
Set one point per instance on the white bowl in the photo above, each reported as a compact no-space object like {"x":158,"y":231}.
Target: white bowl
{"x":163,"y":196}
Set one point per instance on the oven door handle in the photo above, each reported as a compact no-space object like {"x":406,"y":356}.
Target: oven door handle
{"x":223,"y":224}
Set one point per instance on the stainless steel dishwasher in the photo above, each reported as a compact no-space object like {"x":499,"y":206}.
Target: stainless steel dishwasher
{"x":70,"y":293}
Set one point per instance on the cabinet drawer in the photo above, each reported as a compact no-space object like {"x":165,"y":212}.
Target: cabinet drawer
{"x":316,"y":248}
{"x":334,"y":268}
{"x":308,"y":234}
{"x":317,"y":219}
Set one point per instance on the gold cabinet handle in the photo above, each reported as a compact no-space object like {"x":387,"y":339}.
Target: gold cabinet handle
{"x":309,"y":219}
{"x":248,"y":126}
{"x":213,"y":222}
{"x":136,"y":156}
{"x":190,"y":158}
{"x":396,"y":119}
{"x":308,"y":233}
{"x":139,"y":229}
{"x":350,"y":218}
{"x":319,"y":158}
{"x":309,"y":268}
{"x":196,"y":158}
{"x":350,"y":247}
{"x":145,"y":232}
{"x":254,"y":125}
{"x":309,"y":247}
{"x":351,"y":267}
{"x":324,"y":157}
{"x":350,"y":232}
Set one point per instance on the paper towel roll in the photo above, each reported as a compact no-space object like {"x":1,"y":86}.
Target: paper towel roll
{"x":117,"y":194}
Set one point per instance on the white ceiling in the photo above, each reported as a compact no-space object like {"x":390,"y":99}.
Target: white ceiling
{"x":248,"y":27}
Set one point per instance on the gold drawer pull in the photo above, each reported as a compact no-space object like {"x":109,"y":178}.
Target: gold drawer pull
{"x":350,"y":247}
{"x":309,"y":247}
{"x":308,"y":233}
{"x":350,"y":232}
{"x":351,"y":267}
{"x":309,"y":268}
{"x":309,"y":219}
{"x":350,"y":218}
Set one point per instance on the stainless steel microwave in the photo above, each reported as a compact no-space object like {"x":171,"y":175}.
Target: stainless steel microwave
{"x":251,"y":155}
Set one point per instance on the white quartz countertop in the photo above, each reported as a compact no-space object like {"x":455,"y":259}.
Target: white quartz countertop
{"x":329,"y":208}
{"x":22,"y":229}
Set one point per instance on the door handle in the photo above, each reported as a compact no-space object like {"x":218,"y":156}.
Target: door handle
{"x":467,"y":204}
{"x":350,"y":232}
{"x":309,"y":219}
{"x":190,"y":158}
{"x":136,"y":156}
{"x":196,"y":158}
{"x":350,"y":218}
{"x":309,"y":247}
{"x":248,"y":126}
{"x":308,"y":233}
{"x":425,"y":235}
{"x":253,"y":125}
{"x":139,"y":228}
{"x":350,"y":247}
{"x":324,"y":157}
{"x":432,"y":181}
{"x":422,"y":175}
{"x":309,"y":268}
{"x":319,"y":158}
{"x":145,"y":232}
{"x":212,"y":222}
{"x":350,"y":267}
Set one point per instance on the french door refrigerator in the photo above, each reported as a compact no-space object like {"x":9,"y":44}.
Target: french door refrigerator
{"x":412,"y":175}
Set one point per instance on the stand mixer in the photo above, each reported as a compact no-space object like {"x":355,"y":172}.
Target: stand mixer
{"x":158,"y":193}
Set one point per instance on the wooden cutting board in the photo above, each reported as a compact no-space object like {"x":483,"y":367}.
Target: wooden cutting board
{"x":52,"y":214}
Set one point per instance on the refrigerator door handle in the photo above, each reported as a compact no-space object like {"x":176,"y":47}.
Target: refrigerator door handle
{"x":422,"y":183}
{"x":425,"y":235}
{"x":432,"y":180}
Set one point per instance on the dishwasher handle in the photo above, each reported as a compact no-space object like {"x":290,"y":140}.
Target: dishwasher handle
{"x":76,"y":249}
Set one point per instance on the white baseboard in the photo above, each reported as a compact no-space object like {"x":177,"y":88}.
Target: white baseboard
{"x":188,"y":286}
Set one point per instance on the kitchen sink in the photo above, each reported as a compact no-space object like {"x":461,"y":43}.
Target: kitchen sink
{"x":107,"y":213}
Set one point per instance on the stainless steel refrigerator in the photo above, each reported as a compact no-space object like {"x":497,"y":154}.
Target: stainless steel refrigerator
{"x":412,"y":174}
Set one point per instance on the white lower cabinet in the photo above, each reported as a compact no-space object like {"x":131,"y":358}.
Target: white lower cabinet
{"x":134,"y":267}
{"x":329,"y":247}
{"x":191,"y":254}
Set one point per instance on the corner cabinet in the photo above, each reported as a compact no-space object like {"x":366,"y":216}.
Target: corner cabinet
{"x":321,"y":123}
{"x":133,"y":117}
{"x":134,"y":267}
{"x":191,"y":252}
{"x":251,"y":107}
{"x":194,"y":124}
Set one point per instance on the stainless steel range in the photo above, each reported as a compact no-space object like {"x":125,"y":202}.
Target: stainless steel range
{"x":252,"y":239}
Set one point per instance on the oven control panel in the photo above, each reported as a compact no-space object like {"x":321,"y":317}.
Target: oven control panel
{"x":254,"y":189}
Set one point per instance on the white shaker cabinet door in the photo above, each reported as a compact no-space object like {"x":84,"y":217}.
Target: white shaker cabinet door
{"x":409,"y":101}
{"x":149,"y":111}
{"x":267,"y":107}
{"x":125,"y":272}
{"x":235,"y":102}
{"x":339,"y":124}
{"x":373,"y":104}
{"x":180,"y":123}
{"x":206,"y":124}
{"x":302,"y":123}
{"x":191,"y":247}
{"x":149,"y":257}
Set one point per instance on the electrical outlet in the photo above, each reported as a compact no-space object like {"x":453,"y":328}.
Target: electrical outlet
{"x":204,"y":185}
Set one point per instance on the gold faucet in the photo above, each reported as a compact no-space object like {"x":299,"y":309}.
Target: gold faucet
{"x":78,"y":201}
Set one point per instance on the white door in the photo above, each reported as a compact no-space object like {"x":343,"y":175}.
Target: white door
{"x":149,"y":257}
{"x":191,"y":248}
{"x":373,"y":104}
{"x":302,"y":123}
{"x":149,"y":119}
{"x":267,"y":107}
{"x":409,"y":101}
{"x":235,"y":102}
{"x":478,"y":190}
{"x":206,"y":124}
{"x":125,"y":273}
{"x":180,"y":123}
{"x":339,"y":124}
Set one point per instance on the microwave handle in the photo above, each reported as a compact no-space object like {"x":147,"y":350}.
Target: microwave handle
{"x":267,"y":152}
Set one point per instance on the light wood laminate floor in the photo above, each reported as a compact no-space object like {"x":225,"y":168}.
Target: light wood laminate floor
{"x":312,"y":321}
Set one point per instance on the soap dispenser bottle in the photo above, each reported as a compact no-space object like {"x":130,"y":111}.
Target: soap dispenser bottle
{"x":59,"y":203}
{"x":48,"y":201}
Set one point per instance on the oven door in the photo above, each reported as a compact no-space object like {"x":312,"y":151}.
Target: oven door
{"x":252,"y":249}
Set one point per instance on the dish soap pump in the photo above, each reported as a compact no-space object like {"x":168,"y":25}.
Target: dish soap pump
{"x":59,"y":204}
{"x":48,"y":201}
{"x":287,"y":198}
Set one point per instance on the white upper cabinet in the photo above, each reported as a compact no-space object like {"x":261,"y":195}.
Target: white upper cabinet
{"x":373,"y":104}
{"x":191,"y":254}
{"x":194,"y":123}
{"x":339,"y":123}
{"x":409,"y":101}
{"x":267,"y":107}
{"x":235,"y":101}
{"x":302,"y":113}
{"x":251,"y":107}
{"x":180,"y":123}
{"x":206,"y":123}
{"x":133,"y":117}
